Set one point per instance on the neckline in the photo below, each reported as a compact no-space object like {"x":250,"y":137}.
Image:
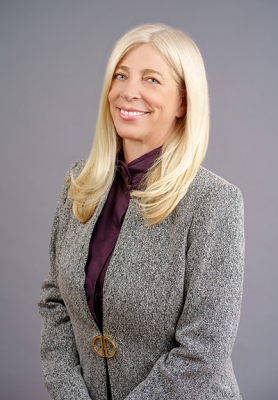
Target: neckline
{"x":136,"y":169}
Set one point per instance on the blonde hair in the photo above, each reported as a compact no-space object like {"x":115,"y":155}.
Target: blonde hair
{"x":180,"y":157}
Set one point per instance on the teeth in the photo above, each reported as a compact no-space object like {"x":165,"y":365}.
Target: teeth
{"x":131,"y":113}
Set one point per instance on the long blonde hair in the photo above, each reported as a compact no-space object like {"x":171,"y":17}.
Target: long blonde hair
{"x":180,"y":157}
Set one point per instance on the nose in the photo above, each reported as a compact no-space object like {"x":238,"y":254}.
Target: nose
{"x":130,"y":91}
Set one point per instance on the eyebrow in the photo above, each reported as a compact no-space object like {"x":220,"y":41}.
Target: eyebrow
{"x":144,"y":71}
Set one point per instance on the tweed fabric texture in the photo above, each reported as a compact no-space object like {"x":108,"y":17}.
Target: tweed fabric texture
{"x":171,"y":301}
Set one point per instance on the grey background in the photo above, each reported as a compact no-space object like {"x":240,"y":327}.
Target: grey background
{"x":53,"y":55}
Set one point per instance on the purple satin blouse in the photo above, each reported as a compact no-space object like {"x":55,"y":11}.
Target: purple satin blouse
{"x":108,"y":226}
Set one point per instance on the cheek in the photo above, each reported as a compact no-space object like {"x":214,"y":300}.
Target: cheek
{"x":113,"y":93}
{"x":110,"y":97}
{"x":110,"y":102}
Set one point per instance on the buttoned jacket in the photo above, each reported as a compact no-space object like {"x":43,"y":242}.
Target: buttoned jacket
{"x":171,"y":301}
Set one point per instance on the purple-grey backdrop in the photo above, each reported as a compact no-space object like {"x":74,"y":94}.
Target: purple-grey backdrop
{"x":53,"y":55}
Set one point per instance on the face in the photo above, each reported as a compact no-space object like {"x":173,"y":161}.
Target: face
{"x":144,"y":98}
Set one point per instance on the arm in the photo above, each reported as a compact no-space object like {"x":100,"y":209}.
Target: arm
{"x":208,"y":324}
{"x":60,"y":361}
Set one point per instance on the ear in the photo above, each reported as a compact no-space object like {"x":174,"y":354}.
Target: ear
{"x":183,"y":107}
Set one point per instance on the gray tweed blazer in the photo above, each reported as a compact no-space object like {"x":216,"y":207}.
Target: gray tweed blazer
{"x":171,"y":301}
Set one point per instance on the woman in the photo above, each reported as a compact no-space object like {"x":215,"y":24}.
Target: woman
{"x":143,"y":297}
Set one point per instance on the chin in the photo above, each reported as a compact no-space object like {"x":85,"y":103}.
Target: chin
{"x":129,"y":133}
{"x":129,"y":136}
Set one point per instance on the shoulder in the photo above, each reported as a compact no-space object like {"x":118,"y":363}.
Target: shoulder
{"x":75,"y":169}
{"x":206,"y":181}
{"x":217,"y":215}
{"x":207,"y":188}
{"x":73,"y":172}
{"x":214,"y":185}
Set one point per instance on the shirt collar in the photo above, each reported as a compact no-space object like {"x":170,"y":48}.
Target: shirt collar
{"x":135,"y":171}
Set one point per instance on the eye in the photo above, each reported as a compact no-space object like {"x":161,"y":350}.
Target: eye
{"x":119,"y":76}
{"x":152,"y":80}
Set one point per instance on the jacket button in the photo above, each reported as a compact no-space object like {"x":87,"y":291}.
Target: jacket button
{"x":104,"y":346}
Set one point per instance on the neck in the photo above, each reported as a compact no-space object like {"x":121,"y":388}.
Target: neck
{"x":134,"y":150}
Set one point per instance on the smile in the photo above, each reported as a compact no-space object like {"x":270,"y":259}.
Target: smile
{"x":133,"y":113}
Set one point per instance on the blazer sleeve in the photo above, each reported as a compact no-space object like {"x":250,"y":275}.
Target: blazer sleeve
{"x":207,"y":326}
{"x":59,"y":357}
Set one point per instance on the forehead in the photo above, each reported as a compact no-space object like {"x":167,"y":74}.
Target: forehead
{"x":144,"y":57}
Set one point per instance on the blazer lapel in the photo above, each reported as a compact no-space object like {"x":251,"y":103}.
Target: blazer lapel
{"x":83,"y":238}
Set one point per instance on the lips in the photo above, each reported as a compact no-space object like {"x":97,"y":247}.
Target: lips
{"x":130,"y":114}
{"x":132,"y":111}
